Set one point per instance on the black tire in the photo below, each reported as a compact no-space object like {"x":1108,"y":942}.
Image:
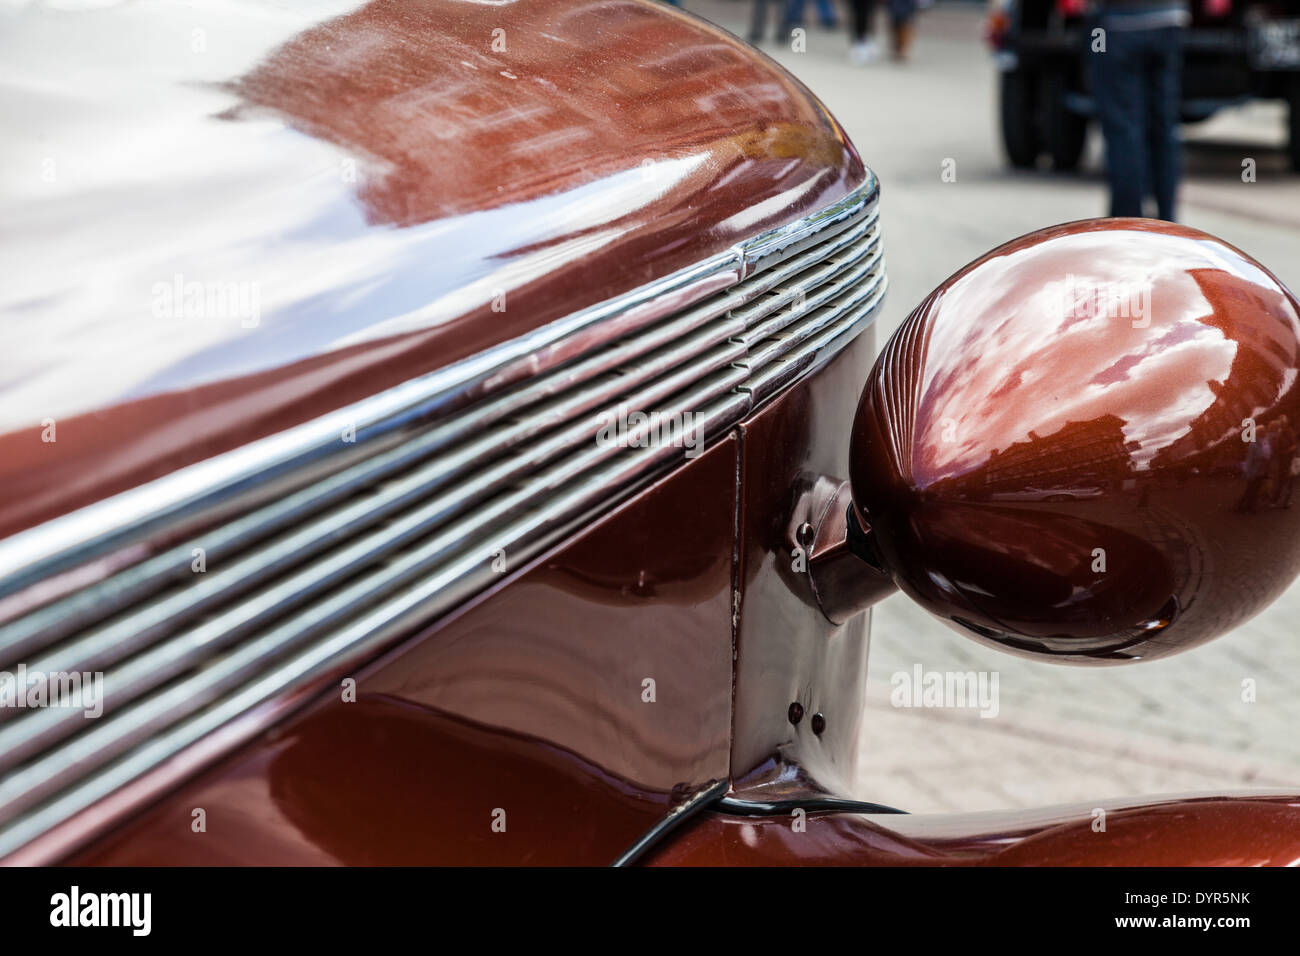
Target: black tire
{"x":1064,"y":132}
{"x":1018,"y":95}
{"x":1293,"y":121}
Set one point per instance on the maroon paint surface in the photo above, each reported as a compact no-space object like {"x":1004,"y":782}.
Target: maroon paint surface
{"x":1050,"y":449}
{"x":478,"y":170}
{"x":787,"y":652}
{"x":1202,"y":831}
{"x":532,"y":701}
{"x":378,"y":179}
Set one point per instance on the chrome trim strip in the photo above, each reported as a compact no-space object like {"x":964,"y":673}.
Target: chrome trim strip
{"x":98,"y":650}
{"x":777,"y":244}
{"x":360,"y":545}
{"x":52,"y":547}
{"x":351,"y":645}
{"x":812,"y":803}
{"x":19,"y":636}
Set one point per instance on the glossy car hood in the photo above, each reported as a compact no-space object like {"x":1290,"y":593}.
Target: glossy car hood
{"x":226,"y":218}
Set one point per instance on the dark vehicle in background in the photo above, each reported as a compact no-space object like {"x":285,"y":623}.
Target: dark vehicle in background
{"x":1234,"y":51}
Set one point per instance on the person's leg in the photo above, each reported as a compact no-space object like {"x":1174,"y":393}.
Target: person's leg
{"x":1165,"y":68}
{"x":1249,"y":494}
{"x":1252,"y":493}
{"x":868,"y":20}
{"x":1119,"y":91}
{"x":826,"y":13}
{"x":758,"y":21}
{"x":857,"y":20}
{"x":901,"y":13}
{"x":864,"y":45}
{"x":793,"y":15}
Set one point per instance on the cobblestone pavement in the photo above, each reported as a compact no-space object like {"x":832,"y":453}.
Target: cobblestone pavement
{"x":1061,"y":734}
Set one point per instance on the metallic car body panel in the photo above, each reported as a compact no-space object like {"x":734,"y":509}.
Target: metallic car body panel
{"x":787,"y":651}
{"x":1242,"y":830}
{"x":532,"y":700}
{"x":1128,"y":368}
{"x":403,"y":534}
{"x":658,"y":570}
{"x":653,"y":571}
{"x":397,"y":175}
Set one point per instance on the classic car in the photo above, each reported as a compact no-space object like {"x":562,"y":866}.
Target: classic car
{"x":443,"y":432}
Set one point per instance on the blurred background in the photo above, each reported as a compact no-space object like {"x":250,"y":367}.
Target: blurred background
{"x":1061,"y":734}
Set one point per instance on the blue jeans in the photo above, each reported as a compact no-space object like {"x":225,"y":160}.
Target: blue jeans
{"x":794,"y":13}
{"x":791,"y":15}
{"x":1137,"y":87}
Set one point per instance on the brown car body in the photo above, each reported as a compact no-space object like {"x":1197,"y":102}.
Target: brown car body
{"x":426,"y":190}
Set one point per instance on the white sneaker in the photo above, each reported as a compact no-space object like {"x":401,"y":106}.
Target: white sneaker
{"x":864,"y":52}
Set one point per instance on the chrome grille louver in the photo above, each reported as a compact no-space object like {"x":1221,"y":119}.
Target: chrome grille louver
{"x":320,"y":552}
